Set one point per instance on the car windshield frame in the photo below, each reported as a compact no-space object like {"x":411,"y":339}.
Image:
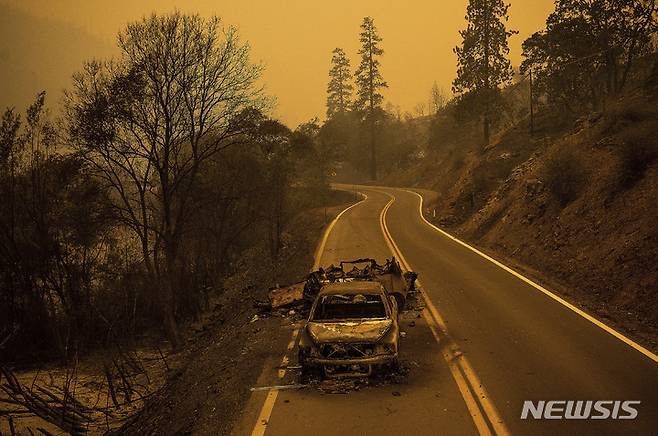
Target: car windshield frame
{"x":319,"y":301}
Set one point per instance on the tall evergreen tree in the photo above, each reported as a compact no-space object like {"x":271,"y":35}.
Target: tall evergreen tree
{"x":369,"y":81}
{"x":339,"y":89}
{"x":482,"y":59}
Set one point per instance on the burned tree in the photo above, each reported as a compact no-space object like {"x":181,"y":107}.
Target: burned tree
{"x":52,"y":235}
{"x":149,"y":122}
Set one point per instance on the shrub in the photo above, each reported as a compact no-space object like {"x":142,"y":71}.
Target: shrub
{"x":625,"y":114}
{"x":636,"y":152}
{"x":565,"y":176}
{"x":458,"y":162}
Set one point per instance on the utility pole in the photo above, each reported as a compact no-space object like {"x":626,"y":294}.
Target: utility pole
{"x":532,"y":107}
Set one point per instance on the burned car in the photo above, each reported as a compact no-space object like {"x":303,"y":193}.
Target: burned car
{"x":352,"y":330}
{"x":352,"y":326}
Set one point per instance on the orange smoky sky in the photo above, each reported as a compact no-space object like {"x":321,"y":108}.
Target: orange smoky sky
{"x":294,"y":39}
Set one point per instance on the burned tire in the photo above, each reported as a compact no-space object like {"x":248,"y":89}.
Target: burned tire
{"x":387,"y":369}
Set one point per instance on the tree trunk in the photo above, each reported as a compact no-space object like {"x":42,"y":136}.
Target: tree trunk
{"x":168,"y":289}
{"x":168,"y":299}
{"x":371,"y":91}
{"x":373,"y":153}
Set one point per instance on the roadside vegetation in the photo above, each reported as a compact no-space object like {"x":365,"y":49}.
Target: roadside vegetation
{"x":161,"y":185}
{"x":141,"y":219}
{"x":563,"y":188}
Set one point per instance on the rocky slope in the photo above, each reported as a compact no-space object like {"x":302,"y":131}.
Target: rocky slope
{"x":575,"y":209}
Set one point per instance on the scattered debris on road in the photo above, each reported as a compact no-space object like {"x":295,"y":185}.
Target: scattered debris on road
{"x":390,"y":275}
{"x":345,"y":385}
{"x":353,"y":325}
{"x":351,"y":332}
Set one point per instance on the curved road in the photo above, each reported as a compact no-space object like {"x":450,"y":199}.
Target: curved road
{"x":487,"y":341}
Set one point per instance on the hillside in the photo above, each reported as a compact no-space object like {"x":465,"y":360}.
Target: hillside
{"x":573,"y":205}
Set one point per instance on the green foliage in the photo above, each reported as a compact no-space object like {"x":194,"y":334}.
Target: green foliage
{"x":482,"y":59}
{"x":469,"y":106}
{"x":73,"y":273}
{"x":565,"y":176}
{"x":166,"y":175}
{"x":339,"y":89}
{"x":369,"y":79}
{"x":401,"y":137}
{"x":588,"y":49}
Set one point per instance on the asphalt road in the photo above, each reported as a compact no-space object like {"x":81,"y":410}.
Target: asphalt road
{"x":488,"y":340}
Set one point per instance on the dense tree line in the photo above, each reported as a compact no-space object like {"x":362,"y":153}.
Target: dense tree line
{"x":54,"y":228}
{"x":162,"y":175}
{"x":589,"y":49}
{"x":586,"y":55}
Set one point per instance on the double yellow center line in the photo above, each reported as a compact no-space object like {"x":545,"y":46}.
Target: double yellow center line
{"x":485,"y":416}
{"x":268,"y":405}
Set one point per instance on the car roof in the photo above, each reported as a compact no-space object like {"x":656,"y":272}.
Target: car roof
{"x":352,"y":288}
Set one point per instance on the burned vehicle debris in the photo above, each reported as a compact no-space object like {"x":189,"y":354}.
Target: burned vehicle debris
{"x":352,"y":327}
{"x":390,"y":275}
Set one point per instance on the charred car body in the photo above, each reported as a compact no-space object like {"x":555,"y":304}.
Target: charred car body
{"x":352,"y":328}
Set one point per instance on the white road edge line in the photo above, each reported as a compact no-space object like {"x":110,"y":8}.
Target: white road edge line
{"x":555,"y":297}
{"x":266,"y":411}
{"x":475,"y":396}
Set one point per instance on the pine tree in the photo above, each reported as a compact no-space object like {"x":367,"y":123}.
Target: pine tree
{"x":482,"y":59}
{"x":438,"y":98}
{"x":369,"y":81}
{"x":339,"y":90}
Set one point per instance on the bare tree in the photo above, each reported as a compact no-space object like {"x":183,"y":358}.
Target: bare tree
{"x":149,"y":121}
{"x":438,"y":98}
{"x":419,"y":110}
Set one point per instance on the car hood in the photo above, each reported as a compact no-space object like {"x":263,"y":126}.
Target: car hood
{"x":349,"y":331}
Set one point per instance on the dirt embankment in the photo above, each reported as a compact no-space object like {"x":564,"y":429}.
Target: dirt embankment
{"x":226,"y":351}
{"x":576,"y":210}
